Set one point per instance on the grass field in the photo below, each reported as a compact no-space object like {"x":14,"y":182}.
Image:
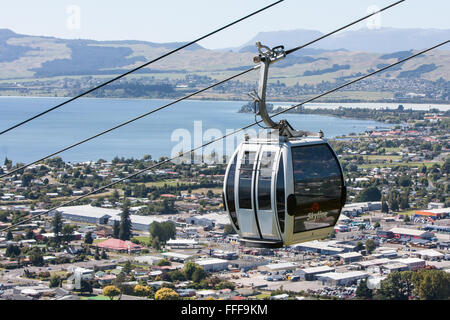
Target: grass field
{"x":382,"y":157}
{"x":100,"y":297}
{"x":401,"y":164}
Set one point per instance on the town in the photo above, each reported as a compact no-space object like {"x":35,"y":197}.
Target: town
{"x":164,"y":234}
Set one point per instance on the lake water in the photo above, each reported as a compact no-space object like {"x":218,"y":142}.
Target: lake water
{"x":190,"y":123}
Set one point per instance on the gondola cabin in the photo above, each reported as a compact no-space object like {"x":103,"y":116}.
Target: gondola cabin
{"x":283,"y":191}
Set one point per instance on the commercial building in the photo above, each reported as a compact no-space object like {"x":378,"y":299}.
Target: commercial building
{"x":177,"y":257}
{"x":342,"y":279}
{"x":429,"y":254}
{"x":350,"y":257}
{"x":274,"y":267}
{"x":212,"y":265}
{"x":412,"y":263}
{"x":87,"y":213}
{"x":407,"y":234}
{"x":310,"y":274}
{"x":182,"y":244}
{"x":355,"y":209}
{"x":141,"y":223}
{"x":434,"y":214}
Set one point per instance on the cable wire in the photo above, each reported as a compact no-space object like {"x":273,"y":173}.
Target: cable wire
{"x":221,"y":138}
{"x":138,"y":68}
{"x":184,"y":98}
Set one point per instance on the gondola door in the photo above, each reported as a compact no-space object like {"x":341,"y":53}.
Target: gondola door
{"x":264,"y":192}
{"x":245,"y":174}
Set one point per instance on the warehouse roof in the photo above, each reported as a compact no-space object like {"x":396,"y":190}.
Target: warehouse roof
{"x":89,"y":211}
{"x":407,"y":231}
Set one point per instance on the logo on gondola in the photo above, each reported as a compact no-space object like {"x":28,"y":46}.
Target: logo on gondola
{"x":315,"y":207}
{"x":315,"y":214}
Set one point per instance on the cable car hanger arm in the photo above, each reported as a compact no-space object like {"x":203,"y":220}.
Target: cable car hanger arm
{"x":268,"y":56}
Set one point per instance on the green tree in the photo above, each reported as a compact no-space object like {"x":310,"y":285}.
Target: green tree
{"x":359,"y":246}
{"x":88,"y":238}
{"x":86,"y":287}
{"x":163,"y":230}
{"x":12,"y":251}
{"x":116,"y":229}
{"x":67,"y":233}
{"x":397,"y":286}
{"x":198,"y":275}
{"x":127,"y":268}
{"x":432,"y":284}
{"x":370,"y":246}
{"x":36,"y":258}
{"x":362,"y":291}
{"x":57,"y":225}
{"x":369,"y":194}
{"x":9,"y":236}
{"x":55,"y":281}
{"x":125,"y":222}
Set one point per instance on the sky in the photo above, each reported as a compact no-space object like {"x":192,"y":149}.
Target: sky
{"x":181,"y":20}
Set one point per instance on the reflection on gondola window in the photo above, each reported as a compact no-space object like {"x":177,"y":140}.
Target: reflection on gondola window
{"x":317,"y":186}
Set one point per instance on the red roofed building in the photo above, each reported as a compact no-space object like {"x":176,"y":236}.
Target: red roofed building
{"x":119,"y":245}
{"x":167,"y":195}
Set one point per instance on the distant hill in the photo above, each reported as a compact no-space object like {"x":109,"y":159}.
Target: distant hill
{"x":347,"y":55}
{"x":58,"y":57}
{"x":384,"y":40}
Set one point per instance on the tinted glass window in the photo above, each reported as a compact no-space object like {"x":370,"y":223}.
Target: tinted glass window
{"x":280,"y":196}
{"x":265,"y":180}
{"x":317,"y":186}
{"x":245,"y":179}
{"x":231,"y":204}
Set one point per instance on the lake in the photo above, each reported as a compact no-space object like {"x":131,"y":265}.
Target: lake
{"x":188,"y":123}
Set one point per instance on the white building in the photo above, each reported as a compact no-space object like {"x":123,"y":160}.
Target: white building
{"x":311,"y":274}
{"x":211,"y":265}
{"x":342,"y":279}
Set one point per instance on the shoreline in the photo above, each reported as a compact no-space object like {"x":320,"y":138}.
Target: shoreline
{"x":434,"y":104}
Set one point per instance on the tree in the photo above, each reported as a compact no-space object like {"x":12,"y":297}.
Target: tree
{"x":116,"y":229}
{"x":36,"y":258}
{"x":142,"y":291}
{"x":57,"y":225}
{"x":432,"y":284}
{"x":370,"y":246}
{"x":9,"y":236}
{"x":369,"y":194}
{"x":164,"y":230}
{"x":359,"y":246}
{"x":55,"y":281}
{"x":166,"y":294}
{"x":397,"y":286}
{"x":362,"y":291}
{"x":86,"y":286}
{"x":127,"y":268}
{"x":384,"y":207}
{"x":67,"y":233}
{"x":88,"y":238}
{"x":198,"y":275}
{"x":111,"y":292}
{"x":12,"y":251}
{"x":125,"y":229}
